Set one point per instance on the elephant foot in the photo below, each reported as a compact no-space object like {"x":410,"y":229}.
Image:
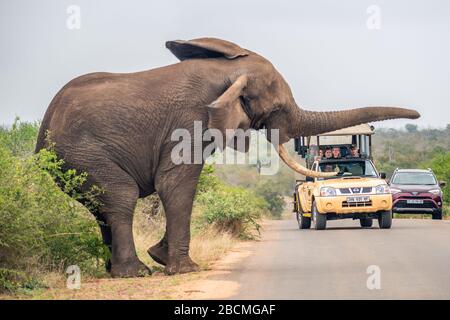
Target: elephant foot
{"x":159,"y":253}
{"x":183,"y":265}
{"x":130,"y":269}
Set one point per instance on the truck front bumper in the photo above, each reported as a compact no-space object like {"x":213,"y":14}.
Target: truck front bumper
{"x":340,"y":205}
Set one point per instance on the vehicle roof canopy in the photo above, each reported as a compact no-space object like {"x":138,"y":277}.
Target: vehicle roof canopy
{"x":362,"y":129}
{"x":332,"y":160}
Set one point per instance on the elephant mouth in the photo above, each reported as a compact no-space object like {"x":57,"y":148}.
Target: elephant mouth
{"x":291,"y":163}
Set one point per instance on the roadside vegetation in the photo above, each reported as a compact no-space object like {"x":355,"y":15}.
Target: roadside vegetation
{"x":44,"y":230}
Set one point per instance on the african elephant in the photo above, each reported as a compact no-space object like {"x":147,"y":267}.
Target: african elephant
{"x":117,"y":128}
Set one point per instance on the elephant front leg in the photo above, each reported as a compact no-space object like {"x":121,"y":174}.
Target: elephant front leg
{"x":177,"y":190}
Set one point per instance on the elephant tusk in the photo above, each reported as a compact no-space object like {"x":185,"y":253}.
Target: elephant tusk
{"x":291,"y":163}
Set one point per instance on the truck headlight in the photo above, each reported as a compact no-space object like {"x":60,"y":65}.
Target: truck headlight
{"x":327,"y":192}
{"x":382,"y":189}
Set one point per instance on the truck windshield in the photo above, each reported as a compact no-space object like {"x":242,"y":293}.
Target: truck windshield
{"x":349,"y":168}
{"x":414,"y":178}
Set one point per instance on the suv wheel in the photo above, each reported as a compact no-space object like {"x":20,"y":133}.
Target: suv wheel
{"x":366,"y":222}
{"x":385,"y":220}
{"x":320,"y":220}
{"x":437,"y":215}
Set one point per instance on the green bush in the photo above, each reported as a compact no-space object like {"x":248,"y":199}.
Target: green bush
{"x":270,"y":192}
{"x":441,"y":167}
{"x":232,"y":209}
{"x":208,"y":180}
{"x":42,"y":228}
{"x":21,"y":138}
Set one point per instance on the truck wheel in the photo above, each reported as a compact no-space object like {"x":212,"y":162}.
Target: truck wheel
{"x":385,"y":220}
{"x":366,"y":222}
{"x":320,"y":220}
{"x":303,"y":222}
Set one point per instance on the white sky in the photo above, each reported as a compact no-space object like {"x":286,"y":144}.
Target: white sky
{"x":323,"y":48}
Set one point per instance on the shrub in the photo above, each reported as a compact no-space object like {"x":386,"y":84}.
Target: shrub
{"x":271,"y":193}
{"x":232,"y":209}
{"x":21,"y":138}
{"x":441,"y":167}
{"x":43,"y":229}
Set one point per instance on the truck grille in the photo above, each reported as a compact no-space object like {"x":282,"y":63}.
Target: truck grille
{"x":355,"y":190}
{"x":346,"y":204}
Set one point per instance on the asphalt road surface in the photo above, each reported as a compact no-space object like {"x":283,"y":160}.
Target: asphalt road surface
{"x":412,"y":260}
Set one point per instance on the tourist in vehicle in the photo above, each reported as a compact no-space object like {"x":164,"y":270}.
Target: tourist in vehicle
{"x":354,"y":151}
{"x":336,"y":153}
{"x":328,"y":153}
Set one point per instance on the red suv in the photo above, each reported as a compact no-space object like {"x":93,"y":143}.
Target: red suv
{"x":416,"y":191}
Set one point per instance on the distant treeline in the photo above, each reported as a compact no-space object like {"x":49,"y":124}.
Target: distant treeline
{"x":410,"y":147}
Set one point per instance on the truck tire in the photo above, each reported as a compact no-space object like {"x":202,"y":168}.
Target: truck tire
{"x":320,"y":220}
{"x":303,"y":222}
{"x":385,"y":219}
{"x":366,"y":222}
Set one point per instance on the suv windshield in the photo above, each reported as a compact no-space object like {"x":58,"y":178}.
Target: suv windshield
{"x":358,"y":168}
{"x":414,"y":178}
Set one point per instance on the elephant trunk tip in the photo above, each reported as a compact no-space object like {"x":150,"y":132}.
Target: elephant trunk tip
{"x":413,"y":114}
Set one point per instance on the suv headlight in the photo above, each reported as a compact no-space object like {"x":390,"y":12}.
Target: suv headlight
{"x":394,"y":191}
{"x":327,"y":192}
{"x":436,"y":192}
{"x":382,"y":188}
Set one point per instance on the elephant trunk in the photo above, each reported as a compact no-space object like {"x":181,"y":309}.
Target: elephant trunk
{"x":312,"y":123}
{"x":308,"y":123}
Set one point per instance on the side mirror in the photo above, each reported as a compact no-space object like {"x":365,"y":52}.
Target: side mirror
{"x":383,"y":175}
{"x":309,"y":179}
{"x":442,"y":184}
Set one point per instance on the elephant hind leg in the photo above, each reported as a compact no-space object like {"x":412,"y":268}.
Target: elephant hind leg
{"x":160,"y":251}
{"x":118,"y":202}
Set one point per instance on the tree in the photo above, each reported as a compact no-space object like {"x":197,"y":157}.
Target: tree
{"x":411,"y":128}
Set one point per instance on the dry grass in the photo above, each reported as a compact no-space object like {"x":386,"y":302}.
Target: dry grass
{"x":207,"y":246}
{"x":207,"y":243}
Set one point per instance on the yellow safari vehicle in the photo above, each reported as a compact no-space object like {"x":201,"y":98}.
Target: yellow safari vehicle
{"x":357,"y":192}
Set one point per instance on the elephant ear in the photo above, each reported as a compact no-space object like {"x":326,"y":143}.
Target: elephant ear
{"x":205,"y":48}
{"x":226,"y":114}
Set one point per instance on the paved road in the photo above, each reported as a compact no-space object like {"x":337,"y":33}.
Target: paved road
{"x":413,"y":257}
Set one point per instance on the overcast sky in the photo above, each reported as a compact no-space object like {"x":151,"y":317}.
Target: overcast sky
{"x":324,"y":49}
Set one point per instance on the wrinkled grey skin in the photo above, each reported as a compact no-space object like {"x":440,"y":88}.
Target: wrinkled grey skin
{"x":117,"y":128}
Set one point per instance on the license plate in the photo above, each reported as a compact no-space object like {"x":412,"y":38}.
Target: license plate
{"x":358,"y":199}
{"x":414,"y":201}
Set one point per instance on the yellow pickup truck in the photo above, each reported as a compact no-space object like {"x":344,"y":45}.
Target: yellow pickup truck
{"x":357,"y":192}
